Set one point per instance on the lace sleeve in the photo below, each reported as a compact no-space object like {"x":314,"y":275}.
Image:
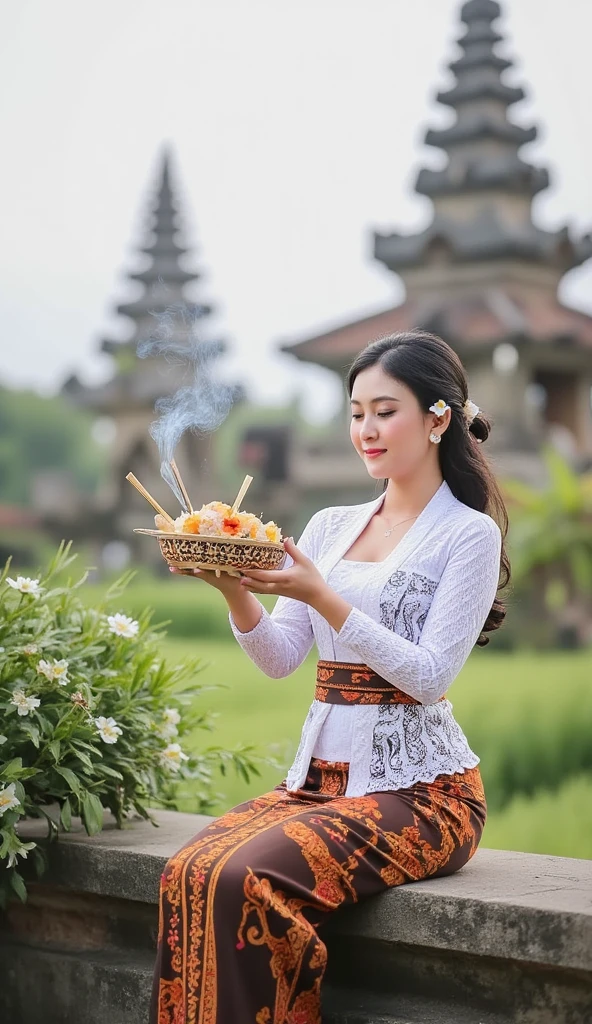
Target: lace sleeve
{"x":280,"y":641}
{"x":459,"y":608}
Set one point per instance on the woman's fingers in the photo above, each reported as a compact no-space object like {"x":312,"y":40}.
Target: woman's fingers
{"x":268,"y":575}
{"x":257,"y":585}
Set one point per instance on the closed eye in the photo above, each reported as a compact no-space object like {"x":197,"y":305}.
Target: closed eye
{"x":358,"y":415}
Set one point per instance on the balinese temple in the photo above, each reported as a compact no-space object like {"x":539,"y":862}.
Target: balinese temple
{"x":482,"y":275}
{"x":126,"y":402}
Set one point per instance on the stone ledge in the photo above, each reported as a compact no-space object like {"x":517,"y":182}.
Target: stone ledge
{"x":514,"y":906}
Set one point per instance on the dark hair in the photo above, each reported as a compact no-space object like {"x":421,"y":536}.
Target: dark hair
{"x":430,"y":368}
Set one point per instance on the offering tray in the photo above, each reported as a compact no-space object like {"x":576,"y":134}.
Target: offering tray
{"x":232,"y":555}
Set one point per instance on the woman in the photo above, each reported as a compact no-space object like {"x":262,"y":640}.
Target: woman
{"x":384,"y":788}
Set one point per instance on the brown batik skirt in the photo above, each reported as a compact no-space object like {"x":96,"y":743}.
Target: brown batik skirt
{"x":242,"y":902}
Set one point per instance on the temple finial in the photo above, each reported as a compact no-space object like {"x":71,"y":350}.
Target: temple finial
{"x":482,"y":197}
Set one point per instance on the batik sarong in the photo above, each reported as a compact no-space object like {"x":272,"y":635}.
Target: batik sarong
{"x":242,"y":904}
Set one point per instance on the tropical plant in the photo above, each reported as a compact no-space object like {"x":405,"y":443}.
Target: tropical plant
{"x":92,"y":716}
{"x":551,"y":548}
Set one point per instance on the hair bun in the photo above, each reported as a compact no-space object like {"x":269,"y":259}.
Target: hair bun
{"x":480,"y":427}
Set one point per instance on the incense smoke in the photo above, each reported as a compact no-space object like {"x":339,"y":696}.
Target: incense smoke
{"x":201,"y":405}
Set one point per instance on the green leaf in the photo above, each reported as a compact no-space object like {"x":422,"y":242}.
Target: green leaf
{"x":104,"y":769}
{"x":71,"y":779}
{"x":83,"y":757}
{"x":12,"y":769}
{"x":54,"y":746}
{"x":92,"y":813}
{"x":17,"y":883}
{"x":27,"y":773}
{"x":66,"y":814}
{"x":39,"y":857}
{"x":32,"y":731}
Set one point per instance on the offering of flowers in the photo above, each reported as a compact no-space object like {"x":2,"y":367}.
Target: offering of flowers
{"x":216,"y":519}
{"x":217,"y":536}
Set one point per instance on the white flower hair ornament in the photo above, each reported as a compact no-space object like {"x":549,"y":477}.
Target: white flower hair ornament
{"x":439,"y":407}
{"x":470,"y":410}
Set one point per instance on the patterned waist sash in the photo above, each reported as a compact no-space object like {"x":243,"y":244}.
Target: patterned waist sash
{"x":339,"y":683}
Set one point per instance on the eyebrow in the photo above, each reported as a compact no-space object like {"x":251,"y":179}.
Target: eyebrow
{"x":381,"y":398}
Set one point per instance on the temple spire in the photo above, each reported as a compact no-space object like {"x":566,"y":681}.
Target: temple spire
{"x":482,"y":197}
{"x":164,"y":279}
{"x":480,"y":99}
{"x":163,"y":313}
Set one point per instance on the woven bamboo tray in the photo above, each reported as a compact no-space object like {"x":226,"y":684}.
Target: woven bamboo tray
{"x":220,"y":554}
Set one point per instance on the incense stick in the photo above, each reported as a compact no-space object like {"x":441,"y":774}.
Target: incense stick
{"x":139,"y":487}
{"x":244,"y":487}
{"x":182,"y":487}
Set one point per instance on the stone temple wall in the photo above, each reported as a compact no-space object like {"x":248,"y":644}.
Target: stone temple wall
{"x":506,"y":940}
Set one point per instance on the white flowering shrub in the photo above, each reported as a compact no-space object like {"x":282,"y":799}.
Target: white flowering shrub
{"x":91,"y":716}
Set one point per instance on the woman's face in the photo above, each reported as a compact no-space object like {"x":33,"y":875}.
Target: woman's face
{"x":387,"y":417}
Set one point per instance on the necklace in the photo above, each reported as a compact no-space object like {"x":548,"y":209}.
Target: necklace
{"x":390,"y":530}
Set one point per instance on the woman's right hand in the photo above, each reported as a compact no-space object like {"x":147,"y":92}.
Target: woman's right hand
{"x":228,"y":585}
{"x":245,"y":608}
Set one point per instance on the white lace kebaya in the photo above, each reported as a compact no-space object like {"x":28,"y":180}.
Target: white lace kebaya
{"x":416,"y":617}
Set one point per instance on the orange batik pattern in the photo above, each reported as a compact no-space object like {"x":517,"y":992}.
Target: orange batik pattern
{"x":242,"y":902}
{"x":340,"y":683}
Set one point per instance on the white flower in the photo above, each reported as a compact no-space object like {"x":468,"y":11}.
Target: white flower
{"x":108,"y":729}
{"x":470,"y":410}
{"x":172,"y":756}
{"x":122,"y":625}
{"x":13,"y":857}
{"x":2,"y":649}
{"x":24,"y":703}
{"x":168,"y":728}
{"x":7,"y":798}
{"x":30,"y":649}
{"x":166,"y":731}
{"x":45,"y":668}
{"x":25,"y":584}
{"x":439,"y":407}
{"x":58,"y":670}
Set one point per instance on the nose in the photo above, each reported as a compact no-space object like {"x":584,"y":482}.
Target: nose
{"x":368,"y":430}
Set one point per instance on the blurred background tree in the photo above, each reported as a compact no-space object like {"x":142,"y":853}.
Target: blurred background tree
{"x":40,"y":434}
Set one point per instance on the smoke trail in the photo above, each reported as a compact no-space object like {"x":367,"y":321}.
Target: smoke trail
{"x":200,"y":406}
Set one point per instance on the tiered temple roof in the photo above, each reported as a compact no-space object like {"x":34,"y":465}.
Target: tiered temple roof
{"x":164,"y":281}
{"x":482,"y":146}
{"x":481,"y":270}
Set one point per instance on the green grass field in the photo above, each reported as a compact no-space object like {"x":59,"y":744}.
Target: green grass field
{"x":527,"y":716}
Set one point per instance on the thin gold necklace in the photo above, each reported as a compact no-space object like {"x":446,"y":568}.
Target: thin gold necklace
{"x":389,"y":531}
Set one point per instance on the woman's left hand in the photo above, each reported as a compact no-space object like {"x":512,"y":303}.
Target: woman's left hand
{"x":302,"y":581}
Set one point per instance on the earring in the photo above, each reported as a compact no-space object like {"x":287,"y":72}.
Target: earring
{"x":435,"y":438}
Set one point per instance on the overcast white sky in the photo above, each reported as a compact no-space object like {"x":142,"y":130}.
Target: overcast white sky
{"x":297,"y":127}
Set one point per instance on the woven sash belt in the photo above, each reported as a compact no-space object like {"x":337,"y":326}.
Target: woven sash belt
{"x":339,"y":683}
